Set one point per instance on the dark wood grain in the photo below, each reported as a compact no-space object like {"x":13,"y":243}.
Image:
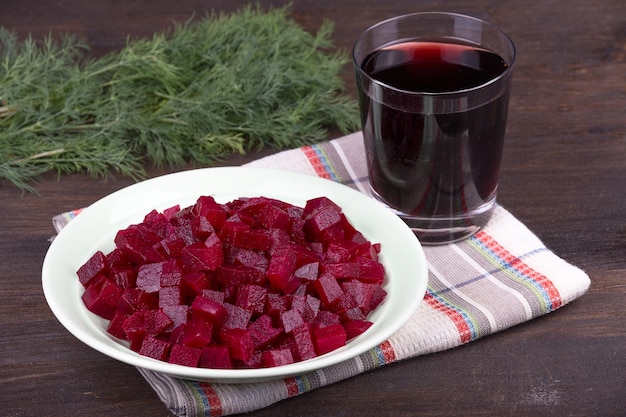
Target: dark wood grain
{"x":564,"y":175}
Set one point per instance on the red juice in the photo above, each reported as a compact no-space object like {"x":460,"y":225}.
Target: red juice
{"x":429,"y":157}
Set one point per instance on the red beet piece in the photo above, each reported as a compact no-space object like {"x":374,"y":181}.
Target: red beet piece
{"x":303,"y":340}
{"x":339,"y":251}
{"x":263,"y":332}
{"x":173,"y":245}
{"x":137,"y":243}
{"x":233,"y":274}
{"x":251,"y":297}
{"x":146,"y":322}
{"x":203,"y":256}
{"x":276,"y":303}
{"x":291,"y":319}
{"x":280,"y":271}
{"x":155,"y":348}
{"x":135,"y":299}
{"x":307,"y":305}
{"x":170,"y":296}
{"x":124,"y":278}
{"x":97,"y":264}
{"x":361,"y":292}
{"x":206,"y":206}
{"x":101,"y":297}
{"x":326,"y":318}
{"x":328,"y":289}
{"x":329,"y":338}
{"x":354,"y":328}
{"x":201,"y":227}
{"x":308,"y":271}
{"x":149,"y":277}
{"x":209,"y":309}
{"x":236,"y":317}
{"x":184,"y":355}
{"x":273,"y":217}
{"x":239,"y":343}
{"x":171,"y":273}
{"x":115,"y":325}
{"x":178,"y":314}
{"x":215,"y":357}
{"x":197,"y":333}
{"x":251,"y":239}
{"x":277,"y":357}
{"x":194,"y":282}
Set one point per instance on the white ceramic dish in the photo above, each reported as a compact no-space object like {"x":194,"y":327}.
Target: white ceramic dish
{"x":95,"y":228}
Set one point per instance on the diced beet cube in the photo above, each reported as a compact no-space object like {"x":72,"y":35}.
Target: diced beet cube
{"x":378,"y":297}
{"x":184,"y":355}
{"x":308,"y":271}
{"x":239,"y":343}
{"x":203,"y":256}
{"x":342,"y":304}
{"x":273,"y":217}
{"x":276,"y":304}
{"x":217,"y":296}
{"x":197,"y":333}
{"x":326,"y":318}
{"x":236,"y":317}
{"x":328,"y":289}
{"x":209,"y":309}
{"x":370,"y":270}
{"x":250,"y":258}
{"x":324,"y":224}
{"x":95,"y":265}
{"x":149,"y":277}
{"x":155,"y":348}
{"x":171,"y":273}
{"x":232,"y":226}
{"x":170,"y":296}
{"x":232,"y":274}
{"x":251,"y":297}
{"x":145,"y":322}
{"x":251,"y":239}
{"x":329,"y":338}
{"x":206,"y":206}
{"x":115,"y":325}
{"x":101,"y":298}
{"x":173,"y":245}
{"x":263,"y":332}
{"x":354,"y":328}
{"x":137,"y":243}
{"x":178,"y":314}
{"x":277,"y":357}
{"x":194,"y":282}
{"x":361,"y":292}
{"x":338,"y":252}
{"x":124,"y":278}
{"x":316,"y":204}
{"x":215,"y":357}
{"x":303,"y":339}
{"x":201,"y":227}
{"x":171,"y":211}
{"x":291,"y":319}
{"x":307,"y":305}
{"x":280,"y":272}
{"x":135,"y":299}
{"x":366,"y":250}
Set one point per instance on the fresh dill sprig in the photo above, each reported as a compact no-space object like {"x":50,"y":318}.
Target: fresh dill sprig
{"x":224,"y":84}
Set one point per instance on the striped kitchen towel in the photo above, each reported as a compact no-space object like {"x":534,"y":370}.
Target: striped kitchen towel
{"x":500,"y":277}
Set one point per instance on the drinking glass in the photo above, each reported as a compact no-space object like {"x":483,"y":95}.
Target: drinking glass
{"x":433,"y":93}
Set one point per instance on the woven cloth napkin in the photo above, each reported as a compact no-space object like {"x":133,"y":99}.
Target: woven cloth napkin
{"x":500,"y":277}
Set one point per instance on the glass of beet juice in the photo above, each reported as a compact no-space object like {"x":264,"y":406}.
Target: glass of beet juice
{"x":434,"y":91}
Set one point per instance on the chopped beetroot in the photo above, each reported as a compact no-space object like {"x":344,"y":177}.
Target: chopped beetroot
{"x":251,"y":297}
{"x":239,"y":343}
{"x":215,"y":357}
{"x":263,"y":332}
{"x":209,"y":309}
{"x":95,"y":265}
{"x":329,"y":338}
{"x":354,"y":328}
{"x":155,"y":348}
{"x":303,"y":340}
{"x":328,"y":289}
{"x":277,"y":357}
{"x":101,"y":298}
{"x":184,"y":355}
{"x":196,"y":333}
{"x":251,"y":283}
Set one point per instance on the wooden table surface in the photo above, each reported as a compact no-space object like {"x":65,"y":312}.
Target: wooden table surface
{"x":564,"y":175}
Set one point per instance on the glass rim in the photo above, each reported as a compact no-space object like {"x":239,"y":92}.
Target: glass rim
{"x":450,"y":94}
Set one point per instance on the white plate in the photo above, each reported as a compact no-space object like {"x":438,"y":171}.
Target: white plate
{"x":95,"y":228}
